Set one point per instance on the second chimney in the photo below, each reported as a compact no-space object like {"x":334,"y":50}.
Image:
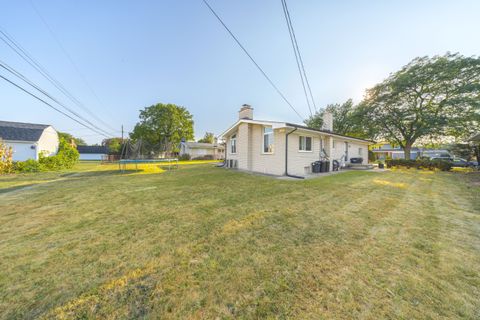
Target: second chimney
{"x":246,"y":112}
{"x":327,"y":121}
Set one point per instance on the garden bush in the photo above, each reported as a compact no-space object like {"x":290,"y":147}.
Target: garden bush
{"x":423,"y":163}
{"x":205,"y":157}
{"x":6,"y":154}
{"x":184,"y":157}
{"x":65,"y":158}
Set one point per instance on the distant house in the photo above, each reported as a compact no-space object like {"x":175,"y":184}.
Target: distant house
{"x":282,"y":148}
{"x":201,"y":150}
{"x":387,"y":151}
{"x":29,"y":140}
{"x":92,"y":152}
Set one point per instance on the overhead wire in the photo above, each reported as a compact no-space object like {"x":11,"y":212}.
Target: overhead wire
{"x":297,"y":51}
{"x":35,"y":86}
{"x":72,"y":62}
{"x":48,"y":104}
{"x":252,"y":59}
{"x":10,"y":41}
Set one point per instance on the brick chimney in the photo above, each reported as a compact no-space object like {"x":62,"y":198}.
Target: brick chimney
{"x":327,"y":121}
{"x":246,"y":112}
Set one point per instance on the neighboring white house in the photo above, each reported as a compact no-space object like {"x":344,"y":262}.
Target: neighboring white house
{"x":282,"y":148}
{"x":201,"y":150}
{"x":92,"y":152}
{"x":28,"y":140}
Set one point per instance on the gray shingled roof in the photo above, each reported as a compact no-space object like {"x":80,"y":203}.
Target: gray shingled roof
{"x":92,"y":149}
{"x":19,"y":131}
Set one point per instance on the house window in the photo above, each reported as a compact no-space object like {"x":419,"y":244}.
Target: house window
{"x":233,"y":144}
{"x":333,"y":144}
{"x":267,"y":140}
{"x":304,"y":143}
{"x":360,"y":151}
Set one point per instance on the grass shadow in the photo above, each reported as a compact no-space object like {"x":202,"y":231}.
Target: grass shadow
{"x":102,"y":173}
{"x":15,"y":188}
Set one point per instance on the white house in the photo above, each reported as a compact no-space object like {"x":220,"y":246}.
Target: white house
{"x":29,"y":140}
{"x":92,"y":152}
{"x":202,"y":150}
{"x":282,"y":148}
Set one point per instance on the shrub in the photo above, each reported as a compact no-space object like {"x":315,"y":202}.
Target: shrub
{"x":419,"y":164}
{"x":184,"y":157}
{"x":65,"y":158}
{"x":27,"y":166}
{"x":205,"y":157}
{"x":6,"y":154}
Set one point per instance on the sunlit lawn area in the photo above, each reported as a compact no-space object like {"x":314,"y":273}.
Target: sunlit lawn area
{"x":206,"y":242}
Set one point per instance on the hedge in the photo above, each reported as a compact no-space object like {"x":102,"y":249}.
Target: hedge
{"x":65,"y":158}
{"x":442,"y":165}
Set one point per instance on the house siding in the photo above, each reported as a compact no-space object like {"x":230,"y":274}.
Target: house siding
{"x":250,"y":154}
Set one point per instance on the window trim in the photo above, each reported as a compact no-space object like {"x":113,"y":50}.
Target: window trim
{"x":263,"y":140}
{"x":234,"y":139}
{"x":311,"y":144}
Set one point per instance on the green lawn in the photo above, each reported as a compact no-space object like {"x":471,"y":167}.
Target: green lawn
{"x":205,"y":242}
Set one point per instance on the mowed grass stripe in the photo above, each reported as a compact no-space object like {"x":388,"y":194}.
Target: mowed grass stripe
{"x":207,"y":242}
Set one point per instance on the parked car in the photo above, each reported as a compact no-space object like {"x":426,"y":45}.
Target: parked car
{"x":459,"y":162}
{"x":445,"y":158}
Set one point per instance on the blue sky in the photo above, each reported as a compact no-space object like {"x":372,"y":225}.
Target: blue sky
{"x":137,"y":53}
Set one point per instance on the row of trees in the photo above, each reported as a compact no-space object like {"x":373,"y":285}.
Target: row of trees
{"x":427,"y":100}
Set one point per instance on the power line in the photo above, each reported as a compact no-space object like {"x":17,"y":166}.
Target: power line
{"x":289,"y":22}
{"x":48,"y":104}
{"x":70,"y":59}
{"x":290,"y":31}
{"x":251,"y":58}
{"x":23,"y":53}
{"x":32,"y":84}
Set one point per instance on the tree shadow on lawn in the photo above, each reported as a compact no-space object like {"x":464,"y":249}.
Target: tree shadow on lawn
{"x":99,"y":173}
{"x":18,"y":187}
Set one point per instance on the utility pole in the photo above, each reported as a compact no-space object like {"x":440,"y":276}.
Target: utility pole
{"x":122,"y":133}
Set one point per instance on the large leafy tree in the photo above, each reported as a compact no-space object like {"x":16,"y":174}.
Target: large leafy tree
{"x":114,"y":145}
{"x":163,"y":126}
{"x":346,"y":119}
{"x":208,"y":138}
{"x":430,"y":97}
{"x":69,"y":138}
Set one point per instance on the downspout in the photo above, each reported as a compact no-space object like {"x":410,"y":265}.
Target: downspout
{"x":286,"y":156}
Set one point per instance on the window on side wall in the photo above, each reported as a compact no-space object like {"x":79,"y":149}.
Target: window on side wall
{"x":333,"y":144}
{"x":360,"y":151}
{"x":267,"y":140}
{"x":233,"y":144}
{"x":304,"y":143}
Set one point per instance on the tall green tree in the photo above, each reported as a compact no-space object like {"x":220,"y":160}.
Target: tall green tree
{"x":208,"y":138}
{"x":163,"y":126}
{"x":114,"y":145}
{"x":68,"y":137}
{"x":346,"y":119}
{"x":430,"y":97}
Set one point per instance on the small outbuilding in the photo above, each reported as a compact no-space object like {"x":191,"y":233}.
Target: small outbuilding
{"x":200,"y":150}
{"x":29,"y":140}
{"x":92,"y":152}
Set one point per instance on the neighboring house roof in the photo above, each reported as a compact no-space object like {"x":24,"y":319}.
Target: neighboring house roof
{"x":18,"y":131}
{"x":277,"y":125}
{"x":92,"y":149}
